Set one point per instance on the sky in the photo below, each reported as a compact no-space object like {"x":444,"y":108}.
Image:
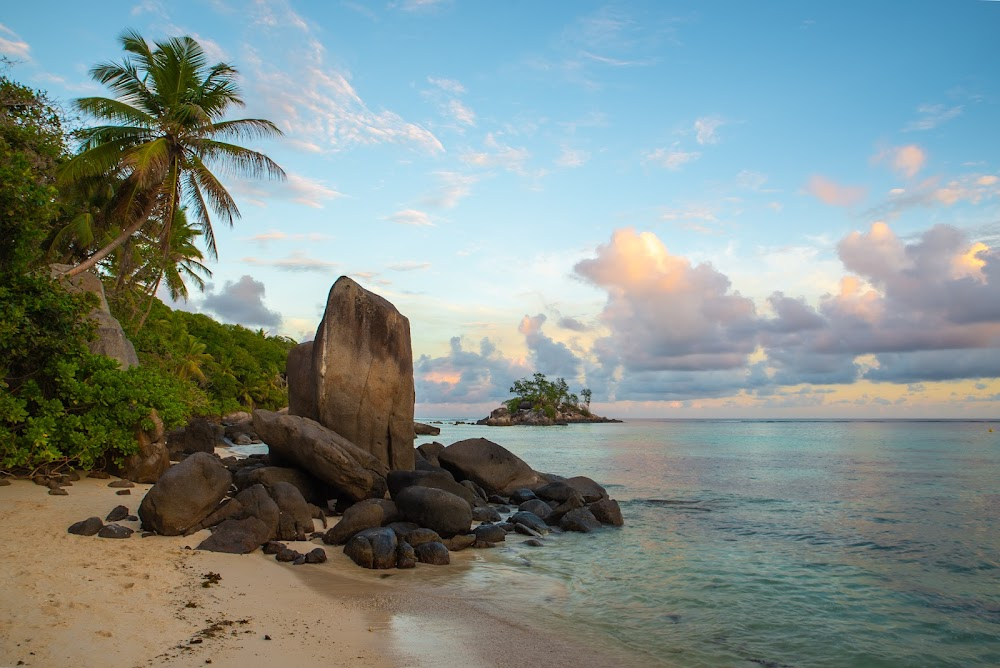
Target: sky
{"x":695,"y":209}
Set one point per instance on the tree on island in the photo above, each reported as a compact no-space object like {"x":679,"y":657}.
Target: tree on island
{"x":164,"y":129}
{"x":549,"y":397}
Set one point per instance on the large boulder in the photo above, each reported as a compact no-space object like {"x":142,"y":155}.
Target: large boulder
{"x":152,"y":459}
{"x":588,"y":489}
{"x":491,"y":466}
{"x":200,"y":435}
{"x":295,"y":520}
{"x":110,"y":340}
{"x":373,"y":548}
{"x":430,"y":451}
{"x":435,"y":509}
{"x":607,"y":511}
{"x":579,"y":519}
{"x":325,"y":454}
{"x":421,"y":429}
{"x":367,"y":514}
{"x":185,"y":495}
{"x":312,"y":490}
{"x":360,"y":380}
{"x":399,"y":480}
{"x":256,"y":502}
{"x":236,"y":536}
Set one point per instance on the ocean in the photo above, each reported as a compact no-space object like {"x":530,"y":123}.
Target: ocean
{"x":764,"y":543}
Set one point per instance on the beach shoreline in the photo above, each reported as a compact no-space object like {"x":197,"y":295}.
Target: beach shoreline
{"x":150,"y":601}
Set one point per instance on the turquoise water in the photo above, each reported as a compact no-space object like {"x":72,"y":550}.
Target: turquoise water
{"x":752,"y":543}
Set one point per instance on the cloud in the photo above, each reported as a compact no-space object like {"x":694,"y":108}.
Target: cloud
{"x":455,"y":187}
{"x":409,"y":265}
{"x":664,"y":313}
{"x":970,"y":188}
{"x":12,"y":45}
{"x":553,"y":358}
{"x":297,"y":261}
{"x":570,"y":157}
{"x":411,"y":217}
{"x":278,"y":235}
{"x":673,"y":158}
{"x":834,"y":194}
{"x":499,"y":155}
{"x":461,"y":113}
{"x":310,"y":192}
{"x":706,"y":129}
{"x":931,"y":116}
{"x":242,"y":302}
{"x":906,"y":161}
{"x":465,"y":376}
{"x":572,"y":324}
{"x":447,"y":85}
{"x":315,"y":103}
{"x":422,"y":5}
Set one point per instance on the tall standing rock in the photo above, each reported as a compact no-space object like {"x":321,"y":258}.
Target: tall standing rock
{"x":360,"y":380}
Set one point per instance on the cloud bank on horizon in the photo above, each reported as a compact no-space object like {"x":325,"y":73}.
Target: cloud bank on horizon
{"x":694,"y":211}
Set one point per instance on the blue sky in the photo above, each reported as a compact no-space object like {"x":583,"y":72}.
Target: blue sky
{"x":779,"y":209}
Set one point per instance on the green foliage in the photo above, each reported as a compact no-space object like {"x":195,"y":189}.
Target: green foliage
{"x":544,"y":395}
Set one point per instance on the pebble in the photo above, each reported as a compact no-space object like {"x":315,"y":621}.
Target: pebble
{"x":121,"y":483}
{"x":58,"y":491}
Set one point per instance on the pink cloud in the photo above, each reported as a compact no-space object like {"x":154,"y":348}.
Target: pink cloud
{"x":833,"y":193}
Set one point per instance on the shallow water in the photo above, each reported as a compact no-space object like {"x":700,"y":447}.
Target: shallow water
{"x":752,"y":543}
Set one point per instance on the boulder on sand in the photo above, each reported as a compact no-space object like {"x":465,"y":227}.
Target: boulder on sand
{"x":491,"y":466}
{"x":367,"y":514}
{"x":400,"y":480}
{"x":325,"y":454}
{"x":185,"y":495}
{"x":359,"y":377}
{"x":236,"y":536}
{"x":435,"y":509}
{"x":373,"y":548}
{"x":152,"y":459}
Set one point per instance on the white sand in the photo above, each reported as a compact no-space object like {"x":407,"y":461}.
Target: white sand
{"x":89,"y":601}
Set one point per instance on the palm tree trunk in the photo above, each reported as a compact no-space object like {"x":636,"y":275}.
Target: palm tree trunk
{"x":106,"y":251}
{"x":152,"y":298}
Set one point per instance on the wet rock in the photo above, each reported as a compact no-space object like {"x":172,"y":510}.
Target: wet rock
{"x":184,"y":495}
{"x":485,"y":514}
{"x":117,"y":513}
{"x":581,"y":520}
{"x":519,"y":496}
{"x":574,"y":502}
{"x":421,"y":429}
{"x":402,"y":529}
{"x":373,"y":548}
{"x":607,"y":511}
{"x":421,"y":536}
{"x":533,"y":542}
{"x":537,"y":507}
{"x":557,"y":491}
{"x":476,"y":490}
{"x":490,"y":533}
{"x":432,"y":553}
{"x":494,"y":468}
{"x":529,"y":520}
{"x":405,"y":556}
{"x":367,"y":514}
{"x":435,"y":509}
{"x":459,"y":543}
{"x":499,"y":500}
{"x":400,"y":480}
{"x":526,"y":530}
{"x":588,"y":489}
{"x":87,"y":527}
{"x":114,"y":531}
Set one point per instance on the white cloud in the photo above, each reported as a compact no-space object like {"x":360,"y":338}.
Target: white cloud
{"x":833,"y":193}
{"x":571,"y":157}
{"x":499,"y":155}
{"x":310,"y":192}
{"x":411,"y":217}
{"x":461,"y":113}
{"x":931,"y":116}
{"x":455,"y":187}
{"x":11,"y":44}
{"x":906,"y":161}
{"x":672,"y":158}
{"x":297,"y":261}
{"x":706,"y":129}
{"x":447,"y":85}
{"x":409,"y":265}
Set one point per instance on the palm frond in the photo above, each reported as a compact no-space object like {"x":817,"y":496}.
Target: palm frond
{"x":238,"y":160}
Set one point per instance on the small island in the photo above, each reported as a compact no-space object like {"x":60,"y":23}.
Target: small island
{"x":540,"y":402}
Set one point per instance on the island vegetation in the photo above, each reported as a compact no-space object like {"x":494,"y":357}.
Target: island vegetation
{"x":539,"y":401}
{"x":127,"y":198}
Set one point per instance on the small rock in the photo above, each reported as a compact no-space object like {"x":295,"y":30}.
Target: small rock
{"x":490,"y":533}
{"x":499,"y":500}
{"x":485,"y":514}
{"x":72,"y":476}
{"x":87,"y":527}
{"x":526,"y":530}
{"x":299,"y":560}
{"x":317,"y":556}
{"x":41,"y":480}
{"x":405,"y":556}
{"x":273,"y":547}
{"x":118,"y":513}
{"x":121,"y":483}
{"x":519,"y":496}
{"x":533,"y":542}
{"x":123,"y":492}
{"x":100,"y":475}
{"x":58,"y":491}
{"x":287,"y":555}
{"x":132,"y":518}
{"x":433,"y":553}
{"x":114,"y":531}
{"x":460,"y":542}
{"x":421,"y":536}
{"x":4,"y":482}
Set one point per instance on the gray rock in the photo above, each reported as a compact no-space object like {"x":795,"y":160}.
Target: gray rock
{"x":287,"y":555}
{"x":400,"y":480}
{"x":529,"y":520}
{"x":301,"y":382}
{"x":312,"y":490}
{"x":581,"y":520}
{"x":240,"y":536}
{"x":432,"y":553}
{"x":325,"y":454}
{"x":117,"y":513}
{"x":536,"y":506}
{"x":360,"y":380}
{"x":519,"y":496}
{"x":557,"y":491}
{"x":430,"y":451}
{"x":402,"y":529}
{"x":256,"y":502}
{"x":574,"y":502}
{"x":526,"y":531}
{"x":373,"y":548}
{"x":588,"y":489}
{"x":485,"y":514}
{"x":184,"y":495}
{"x":533,"y":542}
{"x":114,"y":531}
{"x":607,"y":511}
{"x":87,"y":527}
{"x":295,"y":520}
{"x":405,"y":556}
{"x":421,"y":429}
{"x":490,"y":533}
{"x":494,"y":468}
{"x":367,"y":514}
{"x":200,"y":435}
{"x":316,"y":556}
{"x":421,"y":536}
{"x":459,"y":543}
{"x":435,"y":509}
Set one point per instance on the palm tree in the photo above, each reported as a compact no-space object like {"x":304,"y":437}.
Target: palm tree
{"x":164,"y":128}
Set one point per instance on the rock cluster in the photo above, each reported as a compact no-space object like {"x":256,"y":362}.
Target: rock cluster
{"x":526,"y":415}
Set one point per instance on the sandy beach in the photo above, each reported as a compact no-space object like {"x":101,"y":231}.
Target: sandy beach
{"x":152,"y":601}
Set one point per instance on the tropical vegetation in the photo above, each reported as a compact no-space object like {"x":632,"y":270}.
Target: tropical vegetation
{"x":132,"y":202}
{"x":549,"y":397}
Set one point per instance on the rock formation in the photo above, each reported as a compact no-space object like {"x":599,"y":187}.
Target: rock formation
{"x":356,"y":377}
